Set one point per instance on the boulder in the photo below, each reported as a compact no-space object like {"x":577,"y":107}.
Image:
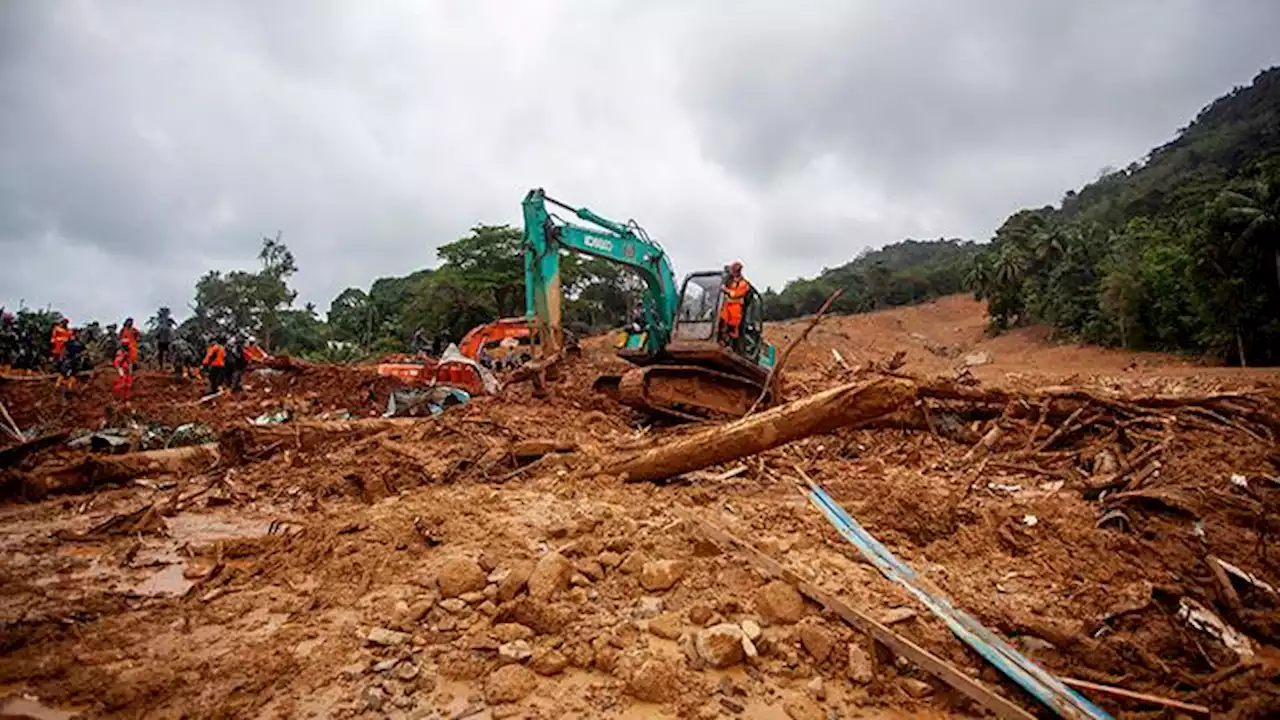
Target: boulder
{"x":816,"y":639}
{"x":515,"y":580}
{"x":550,"y":576}
{"x":656,"y":680}
{"x":509,"y":683}
{"x":548,"y":661}
{"x":667,"y":625}
{"x":458,"y":575}
{"x":661,"y":574}
{"x":859,"y":668}
{"x":780,"y":602}
{"x":720,"y":646}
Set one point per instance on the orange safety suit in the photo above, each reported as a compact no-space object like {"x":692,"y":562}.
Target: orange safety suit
{"x":731,"y":309}
{"x":123,"y":387}
{"x":130,"y":337}
{"x":216,"y":356}
{"x":58,"y":340}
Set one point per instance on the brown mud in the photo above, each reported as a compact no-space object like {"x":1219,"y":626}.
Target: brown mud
{"x":378,"y":574}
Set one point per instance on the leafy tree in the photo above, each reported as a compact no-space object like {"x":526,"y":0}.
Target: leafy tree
{"x":1179,"y":252}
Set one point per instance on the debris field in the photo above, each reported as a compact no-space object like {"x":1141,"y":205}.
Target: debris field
{"x":1107,"y":513}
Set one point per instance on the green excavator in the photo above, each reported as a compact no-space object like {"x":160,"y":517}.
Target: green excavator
{"x":684,"y":368}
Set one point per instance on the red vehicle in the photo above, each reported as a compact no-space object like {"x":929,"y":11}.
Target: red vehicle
{"x":491,"y":335}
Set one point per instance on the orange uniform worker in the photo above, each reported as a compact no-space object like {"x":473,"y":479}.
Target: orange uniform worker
{"x":130,"y":336}
{"x":735,"y":295}
{"x":215,"y":360}
{"x":58,"y":339}
{"x":123,"y":387}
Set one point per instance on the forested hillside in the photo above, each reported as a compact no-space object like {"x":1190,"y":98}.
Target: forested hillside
{"x":903,"y":273}
{"x":1178,"y":252}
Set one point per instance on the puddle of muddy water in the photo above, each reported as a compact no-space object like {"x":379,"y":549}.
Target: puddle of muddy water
{"x":167,"y":582}
{"x":22,"y":707}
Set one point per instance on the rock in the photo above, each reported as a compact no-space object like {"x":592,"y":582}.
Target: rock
{"x":749,"y":648}
{"x":373,"y":698}
{"x":915,"y":688}
{"x":548,"y":661}
{"x":893,"y":616}
{"x":802,"y":708}
{"x":816,"y":640}
{"x":975,"y":359}
{"x":661,"y":574}
{"x":458,"y":574}
{"x":453,"y":605}
{"x":859,"y":668}
{"x":550,"y":576}
{"x":540,"y":616}
{"x":515,"y":651}
{"x":509,"y":683}
{"x":667,"y":625}
{"x":488,"y":608}
{"x":610,"y":559}
{"x":406,"y":671}
{"x":383,"y":636}
{"x":656,"y":680}
{"x":816,"y":689}
{"x":634,"y":563}
{"x":699,"y":614}
{"x":648,"y":607}
{"x":779,"y":602}
{"x":590,"y":569}
{"x":579,"y":580}
{"x":472,"y":598}
{"x":384,"y":665}
{"x":720,"y":645}
{"x":751,"y":629}
{"x":515,"y":580}
{"x":506,"y":632}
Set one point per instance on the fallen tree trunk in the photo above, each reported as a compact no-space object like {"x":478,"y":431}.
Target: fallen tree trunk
{"x":813,"y":415}
{"x":95,"y":470}
{"x":258,"y":441}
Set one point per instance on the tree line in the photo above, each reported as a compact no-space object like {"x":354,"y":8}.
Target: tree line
{"x":1180,"y":252}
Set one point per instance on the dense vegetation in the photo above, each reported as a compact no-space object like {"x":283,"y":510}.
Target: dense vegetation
{"x":903,"y":273}
{"x":1178,"y":252}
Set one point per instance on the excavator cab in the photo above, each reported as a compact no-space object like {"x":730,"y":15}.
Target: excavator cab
{"x":698,"y":317}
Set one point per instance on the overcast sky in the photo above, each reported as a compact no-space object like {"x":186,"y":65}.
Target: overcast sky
{"x":143,"y":143}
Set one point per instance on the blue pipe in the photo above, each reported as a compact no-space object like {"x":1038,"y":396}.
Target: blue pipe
{"x":1043,"y":685}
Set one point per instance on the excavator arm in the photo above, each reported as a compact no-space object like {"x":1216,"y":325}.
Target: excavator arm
{"x":545,"y":235}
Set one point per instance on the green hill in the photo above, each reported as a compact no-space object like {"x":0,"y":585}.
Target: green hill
{"x":1178,"y":252}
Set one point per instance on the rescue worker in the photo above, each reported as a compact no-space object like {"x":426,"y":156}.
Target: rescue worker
{"x":164,"y":341}
{"x":123,"y":387}
{"x":130,"y":337}
{"x":72,"y":356}
{"x":58,"y":338}
{"x":735,"y":289}
{"x":235,"y":363}
{"x":215,"y":364}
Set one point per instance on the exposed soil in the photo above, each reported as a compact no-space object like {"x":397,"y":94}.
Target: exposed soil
{"x":342,"y":572}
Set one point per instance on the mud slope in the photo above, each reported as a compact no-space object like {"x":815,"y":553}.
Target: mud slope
{"x":421,"y":569}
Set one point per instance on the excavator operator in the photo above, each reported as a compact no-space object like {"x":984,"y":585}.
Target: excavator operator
{"x":735,"y":290}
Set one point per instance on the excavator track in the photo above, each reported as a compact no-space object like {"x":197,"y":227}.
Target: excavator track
{"x":684,"y":392}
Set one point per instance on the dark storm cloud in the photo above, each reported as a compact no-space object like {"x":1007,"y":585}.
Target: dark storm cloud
{"x":145,"y":142}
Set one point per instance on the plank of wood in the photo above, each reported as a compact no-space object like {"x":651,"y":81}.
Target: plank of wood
{"x":943,"y":670}
{"x":1190,"y":708}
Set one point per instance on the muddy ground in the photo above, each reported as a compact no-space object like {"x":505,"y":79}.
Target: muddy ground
{"x":361,"y":573}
